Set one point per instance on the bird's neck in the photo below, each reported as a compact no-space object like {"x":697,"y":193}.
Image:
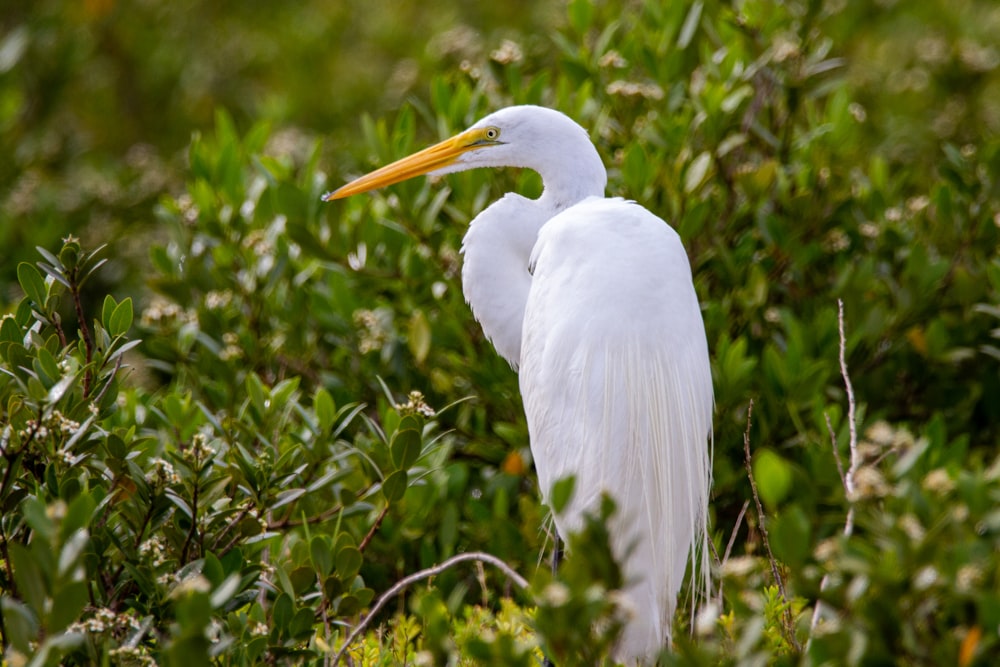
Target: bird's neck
{"x":568,"y":186}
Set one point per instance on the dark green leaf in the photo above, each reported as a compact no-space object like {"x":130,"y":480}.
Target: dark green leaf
{"x":121,"y":318}
{"x":562,"y":493}
{"x":348,"y":563}
{"x":32,"y":283}
{"x":394,"y":486}
{"x":406,"y":445}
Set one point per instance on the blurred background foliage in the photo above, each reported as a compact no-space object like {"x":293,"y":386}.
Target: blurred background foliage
{"x":806,"y":151}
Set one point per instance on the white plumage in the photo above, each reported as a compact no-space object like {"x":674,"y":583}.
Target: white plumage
{"x":592,"y":300}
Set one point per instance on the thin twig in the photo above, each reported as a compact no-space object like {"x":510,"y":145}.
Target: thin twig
{"x":846,"y":478}
{"x":732,"y":541}
{"x":761,"y":520}
{"x":420,"y":576}
{"x":748,"y":461}
{"x":851,"y":405}
{"x":736,"y":528}
{"x":836,"y":452}
{"x":375,"y":526}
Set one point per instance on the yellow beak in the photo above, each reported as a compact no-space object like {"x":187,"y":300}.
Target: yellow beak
{"x":431,"y":158}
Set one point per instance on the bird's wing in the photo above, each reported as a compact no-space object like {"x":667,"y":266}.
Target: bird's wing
{"x":617,"y":390}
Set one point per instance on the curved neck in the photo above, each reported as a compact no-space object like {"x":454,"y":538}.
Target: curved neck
{"x":577,"y":175}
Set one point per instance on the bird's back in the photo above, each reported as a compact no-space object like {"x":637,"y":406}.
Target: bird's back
{"x":617,"y":390}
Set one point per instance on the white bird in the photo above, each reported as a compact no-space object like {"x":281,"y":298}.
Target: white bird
{"x":592,"y":300}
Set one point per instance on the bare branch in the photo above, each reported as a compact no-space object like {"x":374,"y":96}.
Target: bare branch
{"x":761,"y":520}
{"x":836,"y":453}
{"x":846,"y":478}
{"x":851,"y":405}
{"x":748,"y":461}
{"x":375,"y":527}
{"x":420,"y":576}
{"x":732,"y":541}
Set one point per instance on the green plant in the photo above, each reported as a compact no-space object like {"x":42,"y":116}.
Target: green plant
{"x":240,"y":486}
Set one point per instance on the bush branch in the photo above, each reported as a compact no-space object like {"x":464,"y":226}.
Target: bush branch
{"x":729,"y":545}
{"x":420,"y":576}
{"x":375,"y":527}
{"x":846,"y":478}
{"x":748,"y":461}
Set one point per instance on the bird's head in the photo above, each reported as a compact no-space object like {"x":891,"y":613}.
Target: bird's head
{"x":537,"y":138}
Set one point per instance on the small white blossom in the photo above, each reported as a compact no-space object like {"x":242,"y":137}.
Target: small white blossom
{"x":938,"y":482}
{"x":968,"y":578}
{"x":925,"y":578}
{"x":163,"y":473}
{"x":375,"y":327}
{"x":613,"y":59}
{"x":216,"y":299}
{"x":509,"y":52}
{"x":194,"y":584}
{"x":869,"y":483}
{"x":739,"y":566}
{"x":634,"y":89}
{"x":707,"y":619}
{"x":423,"y":659}
{"x":826,"y":549}
{"x":416,"y":404}
{"x":556,"y":594}
{"x":912,"y":527}
{"x":199,"y":450}
{"x":917,"y":204}
{"x":880,"y":432}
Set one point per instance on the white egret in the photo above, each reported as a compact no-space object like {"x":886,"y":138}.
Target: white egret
{"x":592,"y":300}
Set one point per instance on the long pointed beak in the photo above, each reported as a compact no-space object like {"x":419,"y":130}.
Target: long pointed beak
{"x":431,"y":158}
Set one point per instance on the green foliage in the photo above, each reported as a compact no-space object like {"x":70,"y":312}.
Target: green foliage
{"x":157,"y":526}
{"x":312,"y":413}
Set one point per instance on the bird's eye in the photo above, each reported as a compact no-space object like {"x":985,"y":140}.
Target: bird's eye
{"x":492,"y":133}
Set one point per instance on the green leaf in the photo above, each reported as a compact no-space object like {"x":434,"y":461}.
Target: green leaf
{"x":562,"y":493}
{"x":20,"y":623}
{"x":348,"y":562}
{"x":302,"y":623}
{"x":79,"y":513}
{"x":225,"y":591}
{"x":320,"y":552}
{"x":283,"y":611}
{"x":790,"y":536}
{"x":406,"y":446}
{"x":116,"y":446}
{"x":581,"y":14}
{"x":69,"y":556}
{"x":9,"y":331}
{"x":29,"y":577}
{"x":32,"y":283}
{"x":394,"y":486}
{"x":59,"y":389}
{"x":67,"y":604}
{"x":326,"y":410}
{"x":348,"y":606}
{"x":282,"y":392}
{"x":121,"y":318}
{"x":690,"y":25}
{"x":773,"y":476}
{"x":106,"y":310}
{"x":258,"y":393}
{"x":697,"y":172}
{"x":419,"y":340}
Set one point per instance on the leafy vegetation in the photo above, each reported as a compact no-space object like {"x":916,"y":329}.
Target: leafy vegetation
{"x":232,"y":417}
